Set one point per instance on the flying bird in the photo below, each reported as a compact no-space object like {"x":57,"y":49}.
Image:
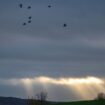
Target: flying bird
{"x":29,"y":7}
{"x":29,"y":21}
{"x":49,"y":6}
{"x":30,"y":17}
{"x":20,"y":5}
{"x":64,"y":25}
{"x":24,"y":24}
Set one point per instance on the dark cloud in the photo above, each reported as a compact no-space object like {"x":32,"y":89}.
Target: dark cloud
{"x":46,"y":48}
{"x":12,"y":91}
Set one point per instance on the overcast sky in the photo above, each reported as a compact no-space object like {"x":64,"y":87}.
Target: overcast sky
{"x":46,"y":48}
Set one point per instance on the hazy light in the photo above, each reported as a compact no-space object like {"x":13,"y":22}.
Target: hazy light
{"x":71,"y":81}
{"x":28,"y":85}
{"x":85,"y":88}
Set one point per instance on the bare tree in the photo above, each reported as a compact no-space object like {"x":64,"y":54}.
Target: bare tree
{"x":32,"y":101}
{"x":100,"y":96}
{"x":42,"y":97}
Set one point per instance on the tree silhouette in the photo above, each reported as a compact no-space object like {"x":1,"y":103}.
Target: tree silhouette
{"x":40,"y":99}
{"x":100,"y":96}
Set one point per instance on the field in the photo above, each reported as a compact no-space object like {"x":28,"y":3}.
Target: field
{"x":95,"y":102}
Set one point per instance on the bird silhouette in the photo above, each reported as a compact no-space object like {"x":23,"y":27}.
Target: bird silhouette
{"x":24,"y":24}
{"x":29,"y":7}
{"x":30,"y":17}
{"x":64,"y":25}
{"x":49,"y":6}
{"x":29,"y":21}
{"x":21,"y":5}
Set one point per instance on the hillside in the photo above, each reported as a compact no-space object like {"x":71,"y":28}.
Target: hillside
{"x":94,"y":102}
{"x":12,"y":101}
{"x":18,"y":101}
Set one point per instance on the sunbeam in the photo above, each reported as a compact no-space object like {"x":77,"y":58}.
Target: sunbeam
{"x":86,"y":88}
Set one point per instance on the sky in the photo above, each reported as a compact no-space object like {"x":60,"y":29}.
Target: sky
{"x":45,"y":56}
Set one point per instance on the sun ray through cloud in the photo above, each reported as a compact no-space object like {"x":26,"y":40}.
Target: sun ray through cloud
{"x":86,"y":88}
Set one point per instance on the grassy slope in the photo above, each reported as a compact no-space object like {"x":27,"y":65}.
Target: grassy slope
{"x":95,"y":102}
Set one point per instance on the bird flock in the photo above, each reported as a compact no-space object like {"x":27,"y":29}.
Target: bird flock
{"x":29,"y":7}
{"x":21,"y":5}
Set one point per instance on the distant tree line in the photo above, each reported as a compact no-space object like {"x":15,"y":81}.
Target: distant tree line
{"x":40,"y":99}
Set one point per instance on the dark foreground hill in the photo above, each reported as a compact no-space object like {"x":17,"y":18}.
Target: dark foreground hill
{"x":18,"y":101}
{"x":94,"y":102}
{"x":12,"y":101}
